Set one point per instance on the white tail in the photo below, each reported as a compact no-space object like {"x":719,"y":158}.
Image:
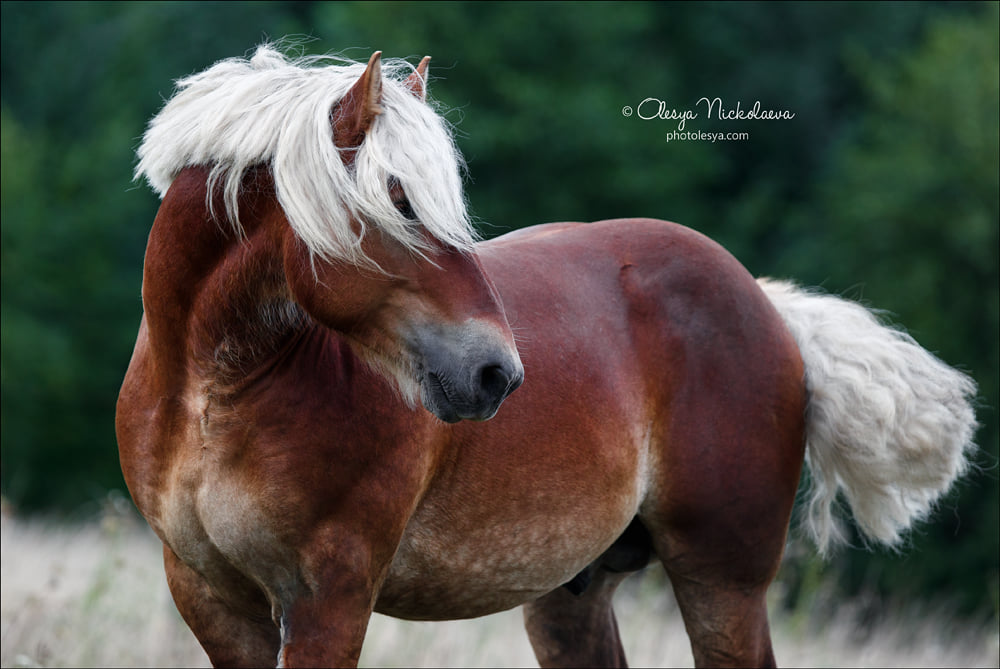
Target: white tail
{"x":887,"y":422}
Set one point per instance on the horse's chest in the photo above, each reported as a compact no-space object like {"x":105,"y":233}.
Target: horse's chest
{"x":213,"y":516}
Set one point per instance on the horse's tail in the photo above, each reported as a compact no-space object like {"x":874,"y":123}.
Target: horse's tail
{"x":886,"y":422}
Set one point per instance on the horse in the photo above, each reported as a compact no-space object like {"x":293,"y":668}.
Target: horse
{"x":342,"y":401}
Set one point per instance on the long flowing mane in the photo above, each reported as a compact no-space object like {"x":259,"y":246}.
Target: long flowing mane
{"x":276,"y":111}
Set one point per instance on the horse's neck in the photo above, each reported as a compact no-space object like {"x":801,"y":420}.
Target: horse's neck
{"x":215,"y":305}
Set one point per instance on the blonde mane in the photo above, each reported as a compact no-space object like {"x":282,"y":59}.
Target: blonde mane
{"x":276,"y":111}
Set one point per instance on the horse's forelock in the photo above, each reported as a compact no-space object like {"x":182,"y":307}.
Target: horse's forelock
{"x":273,"y":110}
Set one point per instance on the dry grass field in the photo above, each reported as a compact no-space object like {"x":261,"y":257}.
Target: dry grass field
{"x":94,"y":595}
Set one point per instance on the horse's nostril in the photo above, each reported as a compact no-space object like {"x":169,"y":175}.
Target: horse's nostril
{"x":493,"y":380}
{"x":498,"y":381}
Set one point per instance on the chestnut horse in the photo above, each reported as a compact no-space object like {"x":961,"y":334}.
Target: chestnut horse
{"x":304,"y":419}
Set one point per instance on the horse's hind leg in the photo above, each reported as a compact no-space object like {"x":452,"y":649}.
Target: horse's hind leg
{"x":727,"y":626}
{"x":230,"y":640}
{"x":721,"y":542}
{"x":568,"y":630}
{"x":721,"y":539}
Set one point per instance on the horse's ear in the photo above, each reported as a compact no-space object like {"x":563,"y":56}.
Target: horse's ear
{"x":356,"y":111}
{"x":417,"y":82}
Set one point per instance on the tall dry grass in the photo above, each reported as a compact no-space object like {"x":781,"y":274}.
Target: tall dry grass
{"x":94,"y":595}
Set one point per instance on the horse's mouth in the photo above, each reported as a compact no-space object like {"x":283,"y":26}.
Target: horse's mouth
{"x":435,"y":398}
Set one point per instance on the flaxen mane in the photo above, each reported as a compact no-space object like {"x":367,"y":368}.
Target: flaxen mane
{"x":276,"y":111}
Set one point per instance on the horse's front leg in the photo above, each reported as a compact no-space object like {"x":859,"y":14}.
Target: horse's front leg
{"x":323,"y":624}
{"x":232,"y":635}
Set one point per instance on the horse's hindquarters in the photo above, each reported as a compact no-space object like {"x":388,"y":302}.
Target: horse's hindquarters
{"x":718,"y":399}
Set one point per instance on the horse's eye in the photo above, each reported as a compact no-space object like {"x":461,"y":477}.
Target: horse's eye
{"x":403,"y":207}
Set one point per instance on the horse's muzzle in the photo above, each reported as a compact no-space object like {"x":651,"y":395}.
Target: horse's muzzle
{"x":468,"y":376}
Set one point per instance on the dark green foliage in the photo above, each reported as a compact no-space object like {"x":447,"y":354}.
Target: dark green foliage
{"x":883,"y":186}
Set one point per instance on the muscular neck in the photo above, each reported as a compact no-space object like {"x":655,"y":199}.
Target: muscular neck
{"x":216,"y":306}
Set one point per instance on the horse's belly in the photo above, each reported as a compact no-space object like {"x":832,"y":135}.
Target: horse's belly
{"x":476,"y":546}
{"x":440,"y":576}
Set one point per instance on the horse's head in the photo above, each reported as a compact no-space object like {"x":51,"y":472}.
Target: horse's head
{"x":375,"y":241}
{"x":433,"y":323}
{"x":401,"y":280}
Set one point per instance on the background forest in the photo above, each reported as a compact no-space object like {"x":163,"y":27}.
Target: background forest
{"x":883,"y":188}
